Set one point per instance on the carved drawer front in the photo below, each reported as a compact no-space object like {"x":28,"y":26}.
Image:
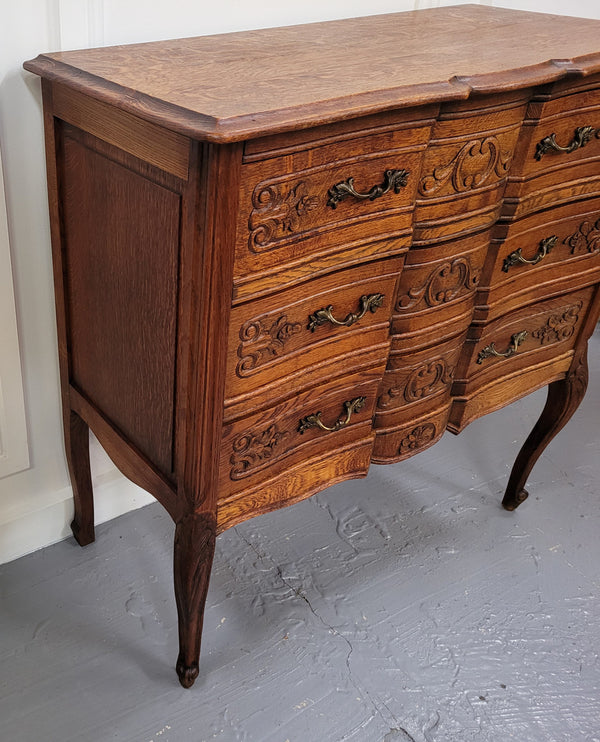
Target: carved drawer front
{"x":522,"y":338}
{"x":298,"y":337}
{"x":317,"y":199}
{"x":558,"y":152}
{"x":409,"y":437}
{"x":543,"y":254}
{"x":417,"y":383}
{"x":436,"y":291}
{"x":466,"y":165}
{"x":319,"y":421}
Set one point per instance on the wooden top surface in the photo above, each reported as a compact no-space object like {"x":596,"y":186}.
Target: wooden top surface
{"x":229,"y":87}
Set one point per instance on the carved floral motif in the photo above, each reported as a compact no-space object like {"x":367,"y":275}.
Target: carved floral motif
{"x":445,"y":283}
{"x":559,"y":326}
{"x":277,"y":212}
{"x":252,"y":450}
{"x":477,"y":162}
{"x":262,"y":341}
{"x":428,"y":379}
{"x":423,"y":382}
{"x":586,"y":239}
{"x":419,"y":437}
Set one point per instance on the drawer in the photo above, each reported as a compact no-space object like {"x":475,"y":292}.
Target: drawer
{"x":314,"y":423}
{"x":415,"y":383}
{"x":558,"y":152}
{"x":466,"y":166}
{"x":436,"y":291}
{"x":330,"y":194}
{"x":560,"y":132}
{"x":522,"y":338}
{"x":283,"y":342}
{"x":409,"y":437}
{"x":542,"y":254}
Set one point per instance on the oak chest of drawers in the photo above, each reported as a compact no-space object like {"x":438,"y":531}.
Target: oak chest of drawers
{"x":281,"y":255}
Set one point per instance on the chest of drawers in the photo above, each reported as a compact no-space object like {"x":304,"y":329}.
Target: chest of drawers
{"x":282,"y":255}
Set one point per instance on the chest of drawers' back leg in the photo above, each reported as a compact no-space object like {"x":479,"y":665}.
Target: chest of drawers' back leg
{"x":76,"y":430}
{"x":77,"y":444}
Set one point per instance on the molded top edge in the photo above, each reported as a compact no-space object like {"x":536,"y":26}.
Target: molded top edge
{"x":231,"y":87}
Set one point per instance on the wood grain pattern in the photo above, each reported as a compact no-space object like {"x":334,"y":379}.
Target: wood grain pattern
{"x":266,"y":443}
{"x":285,"y":205}
{"x":573,"y":259}
{"x":296,"y":483}
{"x":271,"y":339}
{"x":390,"y":67}
{"x":549,"y":322}
{"x":121,"y":290}
{"x":142,"y":139}
{"x":194,"y":548}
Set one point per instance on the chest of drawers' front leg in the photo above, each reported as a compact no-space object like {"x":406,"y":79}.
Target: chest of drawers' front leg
{"x":204,"y":310}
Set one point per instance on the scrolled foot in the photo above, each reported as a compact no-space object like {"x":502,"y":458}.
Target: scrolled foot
{"x":512,"y":501}
{"x":187,"y":673}
{"x":84,"y":535}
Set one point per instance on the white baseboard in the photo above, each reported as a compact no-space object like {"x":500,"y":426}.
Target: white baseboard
{"x":113,"y":496}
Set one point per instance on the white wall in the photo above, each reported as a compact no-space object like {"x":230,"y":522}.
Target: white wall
{"x":35,"y":504}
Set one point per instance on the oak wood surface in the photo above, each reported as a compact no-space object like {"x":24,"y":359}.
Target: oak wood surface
{"x":256,"y":81}
{"x":121,"y":289}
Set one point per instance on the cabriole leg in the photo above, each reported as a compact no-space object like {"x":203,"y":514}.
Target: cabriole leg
{"x":77,"y":445}
{"x":564,"y":397}
{"x":195,"y":537}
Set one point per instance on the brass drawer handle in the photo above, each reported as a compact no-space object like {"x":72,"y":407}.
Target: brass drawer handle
{"x":582,"y":136}
{"x":368,"y":303}
{"x":490,"y":350}
{"x":546,"y":245}
{"x":392,"y":179}
{"x":314,"y":421}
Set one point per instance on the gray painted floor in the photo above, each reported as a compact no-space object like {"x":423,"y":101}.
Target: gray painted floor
{"x":407,"y":606}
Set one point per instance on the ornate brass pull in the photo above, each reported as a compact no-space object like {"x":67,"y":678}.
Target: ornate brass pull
{"x":582,"y":136}
{"x":516,"y":257}
{"x":368,"y":303}
{"x":490,"y":350}
{"x":314,"y":421}
{"x":392,"y":179}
